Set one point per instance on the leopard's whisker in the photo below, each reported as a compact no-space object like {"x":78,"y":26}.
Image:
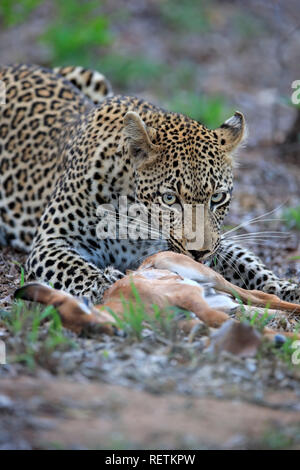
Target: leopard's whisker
{"x":257,"y":242}
{"x":243,"y":240}
{"x":254,"y":219}
{"x":135,"y":219}
{"x":266,"y":237}
{"x":264,"y":232}
{"x":142,"y":224}
{"x":250,"y":222}
{"x":162,"y":232}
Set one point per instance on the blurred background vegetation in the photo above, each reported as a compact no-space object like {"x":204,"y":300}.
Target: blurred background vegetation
{"x":83,"y":32}
{"x":106,"y":35}
{"x":166,"y":50}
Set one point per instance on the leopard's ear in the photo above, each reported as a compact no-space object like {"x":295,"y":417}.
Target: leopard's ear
{"x":143,"y":151}
{"x":232,"y":132}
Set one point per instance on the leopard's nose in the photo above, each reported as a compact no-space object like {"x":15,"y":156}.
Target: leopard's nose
{"x":199,"y":255}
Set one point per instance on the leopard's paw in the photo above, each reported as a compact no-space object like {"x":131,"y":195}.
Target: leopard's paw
{"x":285,"y":290}
{"x":95,"y":289}
{"x":112,"y":275}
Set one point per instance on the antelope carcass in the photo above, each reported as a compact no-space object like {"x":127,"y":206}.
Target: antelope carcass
{"x":164,"y":279}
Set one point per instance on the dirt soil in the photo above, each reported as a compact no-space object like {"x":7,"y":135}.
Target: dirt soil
{"x":99,"y":416}
{"x":165,"y":392}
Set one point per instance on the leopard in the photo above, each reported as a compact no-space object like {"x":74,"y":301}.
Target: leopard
{"x":70,"y":149}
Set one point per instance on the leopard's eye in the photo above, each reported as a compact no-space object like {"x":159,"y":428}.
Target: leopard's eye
{"x":218,"y":198}
{"x":169,"y":199}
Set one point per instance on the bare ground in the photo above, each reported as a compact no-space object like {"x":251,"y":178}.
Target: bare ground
{"x":98,"y":416}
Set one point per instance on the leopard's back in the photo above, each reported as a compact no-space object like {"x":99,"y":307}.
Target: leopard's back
{"x":39,"y":105}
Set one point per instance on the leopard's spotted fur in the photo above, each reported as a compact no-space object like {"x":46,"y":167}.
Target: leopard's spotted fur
{"x":61,"y":157}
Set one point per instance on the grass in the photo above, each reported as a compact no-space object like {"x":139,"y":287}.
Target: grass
{"x":135,"y":318}
{"x":77,"y":29}
{"x":291,"y":217}
{"x":260,"y":321}
{"x":37,"y":332}
{"x":31,"y":344}
{"x":253,"y":318}
{"x":188,"y":15}
{"x":22,"y":278}
{"x":287,"y":351}
{"x":279,"y":439}
{"x":225,"y":228}
{"x":13,"y":12}
{"x":248,"y":26}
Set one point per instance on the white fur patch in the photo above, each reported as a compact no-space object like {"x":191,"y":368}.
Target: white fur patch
{"x":85,"y":308}
{"x":214,"y":299}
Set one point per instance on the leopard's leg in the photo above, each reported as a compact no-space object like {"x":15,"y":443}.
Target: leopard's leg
{"x":61,"y":266}
{"x":244,"y":269}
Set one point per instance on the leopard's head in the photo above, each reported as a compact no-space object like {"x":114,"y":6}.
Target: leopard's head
{"x":181,"y":164}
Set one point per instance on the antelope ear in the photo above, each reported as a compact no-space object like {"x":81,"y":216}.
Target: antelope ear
{"x":232,"y":132}
{"x":138,"y":137}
